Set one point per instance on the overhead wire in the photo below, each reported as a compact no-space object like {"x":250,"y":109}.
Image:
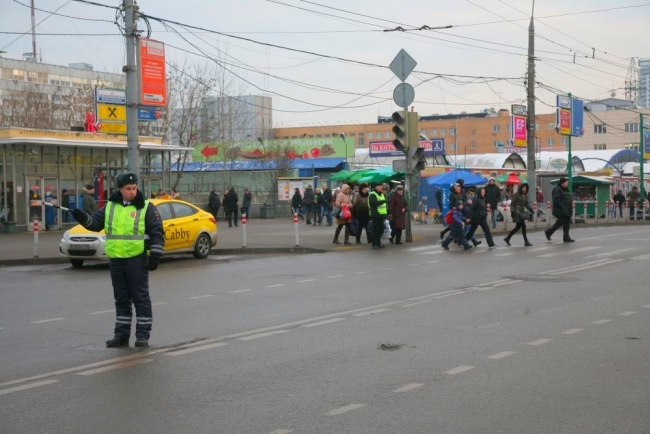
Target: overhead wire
{"x":64,"y":15}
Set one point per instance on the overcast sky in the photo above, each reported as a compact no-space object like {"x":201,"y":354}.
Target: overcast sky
{"x":620,"y":33}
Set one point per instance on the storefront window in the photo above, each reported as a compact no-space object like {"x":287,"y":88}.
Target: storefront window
{"x":51,"y":160}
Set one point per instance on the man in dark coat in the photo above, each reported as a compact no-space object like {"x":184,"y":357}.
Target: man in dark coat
{"x":492,"y":198}
{"x":308,"y":202}
{"x":326,"y":198}
{"x":562,"y":210}
{"x":214,"y":203}
{"x":231,"y":206}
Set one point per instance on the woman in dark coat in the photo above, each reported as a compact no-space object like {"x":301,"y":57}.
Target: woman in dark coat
{"x":519,"y":206}
{"x":361,"y":212}
{"x":397,"y":214}
{"x":478,"y":215}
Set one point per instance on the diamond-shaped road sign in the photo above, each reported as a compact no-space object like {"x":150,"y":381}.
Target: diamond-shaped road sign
{"x":402,"y":65}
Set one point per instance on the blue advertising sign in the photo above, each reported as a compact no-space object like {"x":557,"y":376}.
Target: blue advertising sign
{"x":146,"y":114}
{"x":646,"y":141}
{"x":577,"y":117}
{"x":438,"y":146}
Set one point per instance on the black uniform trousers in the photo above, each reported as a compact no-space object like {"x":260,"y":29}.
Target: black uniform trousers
{"x":565,"y":223}
{"x":231,"y":215}
{"x":486,"y":230}
{"x":377,"y":229}
{"x":130,"y":278}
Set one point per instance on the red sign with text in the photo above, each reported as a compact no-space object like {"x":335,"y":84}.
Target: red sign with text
{"x":153,"y":82}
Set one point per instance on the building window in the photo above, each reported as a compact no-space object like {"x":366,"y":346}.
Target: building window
{"x":452,"y":131}
{"x":387,"y":135}
{"x":473,"y":132}
{"x":452,"y":146}
{"x":369,"y":135}
{"x":496,"y":128}
{"x":497,"y":144}
{"x":19,"y":75}
{"x":550,"y":126}
{"x":632,"y":146}
{"x":550,"y":142}
{"x":442,"y":131}
{"x":361,"y":142}
{"x":600,"y":129}
{"x":472,"y":145}
{"x":361,"y":134}
{"x":564,"y":141}
{"x":600,"y":147}
{"x":632,"y":128}
{"x":537,"y":127}
{"x":353,"y":134}
{"x":434,"y":132}
{"x":508,"y":127}
{"x":494,"y":174}
{"x":318,"y":136}
{"x":294,"y":137}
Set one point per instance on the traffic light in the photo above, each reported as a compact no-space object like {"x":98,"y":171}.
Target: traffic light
{"x":405,"y":130}
{"x":415,"y":160}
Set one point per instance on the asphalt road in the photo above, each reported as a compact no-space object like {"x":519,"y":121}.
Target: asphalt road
{"x":552,"y":338}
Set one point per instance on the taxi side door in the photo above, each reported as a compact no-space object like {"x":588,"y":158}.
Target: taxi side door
{"x":182,"y":229}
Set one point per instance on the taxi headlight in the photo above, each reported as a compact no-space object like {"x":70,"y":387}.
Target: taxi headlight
{"x":103,"y":237}
{"x":66,"y":235}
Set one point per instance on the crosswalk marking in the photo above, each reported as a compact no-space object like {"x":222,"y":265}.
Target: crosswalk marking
{"x":642,"y":257}
{"x":569,"y":252}
{"x":612,"y":253}
{"x":408,"y":387}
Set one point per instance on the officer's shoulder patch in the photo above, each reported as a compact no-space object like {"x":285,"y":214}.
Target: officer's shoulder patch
{"x":156,"y":214}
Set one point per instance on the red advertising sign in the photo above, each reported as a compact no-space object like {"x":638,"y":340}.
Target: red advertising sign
{"x":153,"y":83}
{"x":564,"y":121}
{"x":386,"y":149}
{"x":519,"y":131}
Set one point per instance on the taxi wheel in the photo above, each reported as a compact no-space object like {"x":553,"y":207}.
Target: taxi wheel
{"x":77,"y":263}
{"x":202,"y":247}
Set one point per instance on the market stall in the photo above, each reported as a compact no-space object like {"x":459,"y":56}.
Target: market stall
{"x":591,"y":189}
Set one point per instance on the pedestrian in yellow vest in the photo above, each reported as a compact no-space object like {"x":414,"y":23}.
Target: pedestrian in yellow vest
{"x":378,"y":212}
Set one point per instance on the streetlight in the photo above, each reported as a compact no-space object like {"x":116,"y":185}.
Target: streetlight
{"x":342,"y":135}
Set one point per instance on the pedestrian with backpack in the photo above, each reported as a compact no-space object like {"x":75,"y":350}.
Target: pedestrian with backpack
{"x":456,"y":227}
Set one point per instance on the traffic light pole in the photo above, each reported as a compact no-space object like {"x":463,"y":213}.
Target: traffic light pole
{"x":132,"y":91}
{"x":409,"y":184}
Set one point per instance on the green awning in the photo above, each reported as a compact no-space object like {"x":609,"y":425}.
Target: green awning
{"x":341,"y":175}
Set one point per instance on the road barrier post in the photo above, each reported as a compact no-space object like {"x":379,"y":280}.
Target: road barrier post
{"x":548,"y":213}
{"x":627,"y":211}
{"x":642,"y":203}
{"x":296,"y":225}
{"x":586,"y":204}
{"x":505,"y":216}
{"x":606,"y":212}
{"x":36,"y":229}
{"x":617,"y":211}
{"x":243,"y":230}
{"x":573,"y":212}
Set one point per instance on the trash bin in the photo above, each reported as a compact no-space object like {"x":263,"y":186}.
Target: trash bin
{"x":8,"y":227}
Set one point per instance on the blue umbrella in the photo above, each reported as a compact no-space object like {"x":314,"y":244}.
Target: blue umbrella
{"x":448,"y":178}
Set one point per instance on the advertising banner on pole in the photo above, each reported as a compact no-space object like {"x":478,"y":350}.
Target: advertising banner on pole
{"x":646,"y":144}
{"x":577,"y":117}
{"x":564,"y":121}
{"x":153,"y":82}
{"x":519,"y":132}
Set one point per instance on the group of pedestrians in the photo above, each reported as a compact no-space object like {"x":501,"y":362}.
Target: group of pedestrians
{"x":229,"y":202}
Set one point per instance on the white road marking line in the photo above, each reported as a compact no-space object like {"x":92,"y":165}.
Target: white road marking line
{"x":495,"y":282}
{"x":432,"y":253}
{"x":540,"y":342}
{"x":417,"y":302}
{"x":571,"y":331}
{"x":327,"y":321}
{"x":432,"y":295}
{"x":458,"y":370}
{"x":627,"y":313}
{"x":239,"y":291}
{"x":47,"y":320}
{"x":512,"y":282}
{"x":160,"y":303}
{"x":607,"y":262}
{"x":306,"y":280}
{"x":263,"y":335}
{"x":201,"y":296}
{"x":361,"y":272}
{"x":504,"y":254}
{"x":596,"y":263}
{"x":389,"y":268}
{"x":345,"y":409}
{"x":275,"y":286}
{"x":613,"y":235}
{"x":372,"y":312}
{"x":282,"y":431}
{"x":647,"y":306}
{"x":27,"y":386}
{"x":195,"y":349}
{"x":114,"y":367}
{"x":413,"y":265}
{"x":642,"y":257}
{"x":539,"y":249}
{"x":432,"y":262}
{"x":417,"y":249}
{"x":501,"y":355}
{"x":336,"y":276}
{"x":569,"y":252}
{"x":408,"y":387}
{"x":102,"y":311}
{"x":612,"y":253}
{"x":601,"y":321}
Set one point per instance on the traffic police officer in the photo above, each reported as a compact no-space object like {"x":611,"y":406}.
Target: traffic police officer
{"x":133,"y":227}
{"x":378,"y":212}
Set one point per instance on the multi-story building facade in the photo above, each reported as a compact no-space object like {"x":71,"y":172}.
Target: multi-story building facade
{"x":471,"y":133}
{"x":644,"y":82}
{"x":231,"y":119}
{"x":39,"y":95}
{"x":609,"y":128}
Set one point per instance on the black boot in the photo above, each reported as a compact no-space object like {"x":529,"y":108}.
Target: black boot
{"x":117,"y":341}
{"x":142,"y":342}
{"x":526,"y":243}
{"x":507,"y":240}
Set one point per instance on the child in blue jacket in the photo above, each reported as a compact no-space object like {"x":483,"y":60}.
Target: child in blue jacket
{"x":457,"y":226}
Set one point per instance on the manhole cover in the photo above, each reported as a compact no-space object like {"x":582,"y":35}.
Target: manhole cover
{"x":390,"y":347}
{"x":542,"y":278}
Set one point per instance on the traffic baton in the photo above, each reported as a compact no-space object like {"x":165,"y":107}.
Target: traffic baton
{"x":296,"y":228}
{"x":548,"y":213}
{"x":56,"y":206}
{"x":243,"y":230}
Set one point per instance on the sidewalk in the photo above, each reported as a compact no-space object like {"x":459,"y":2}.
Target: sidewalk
{"x":263,"y":236}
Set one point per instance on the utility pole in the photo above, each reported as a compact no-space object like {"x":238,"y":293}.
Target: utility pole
{"x":132,"y":91}
{"x":530,"y":113}
{"x":642,"y":152}
{"x":34,"y":58}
